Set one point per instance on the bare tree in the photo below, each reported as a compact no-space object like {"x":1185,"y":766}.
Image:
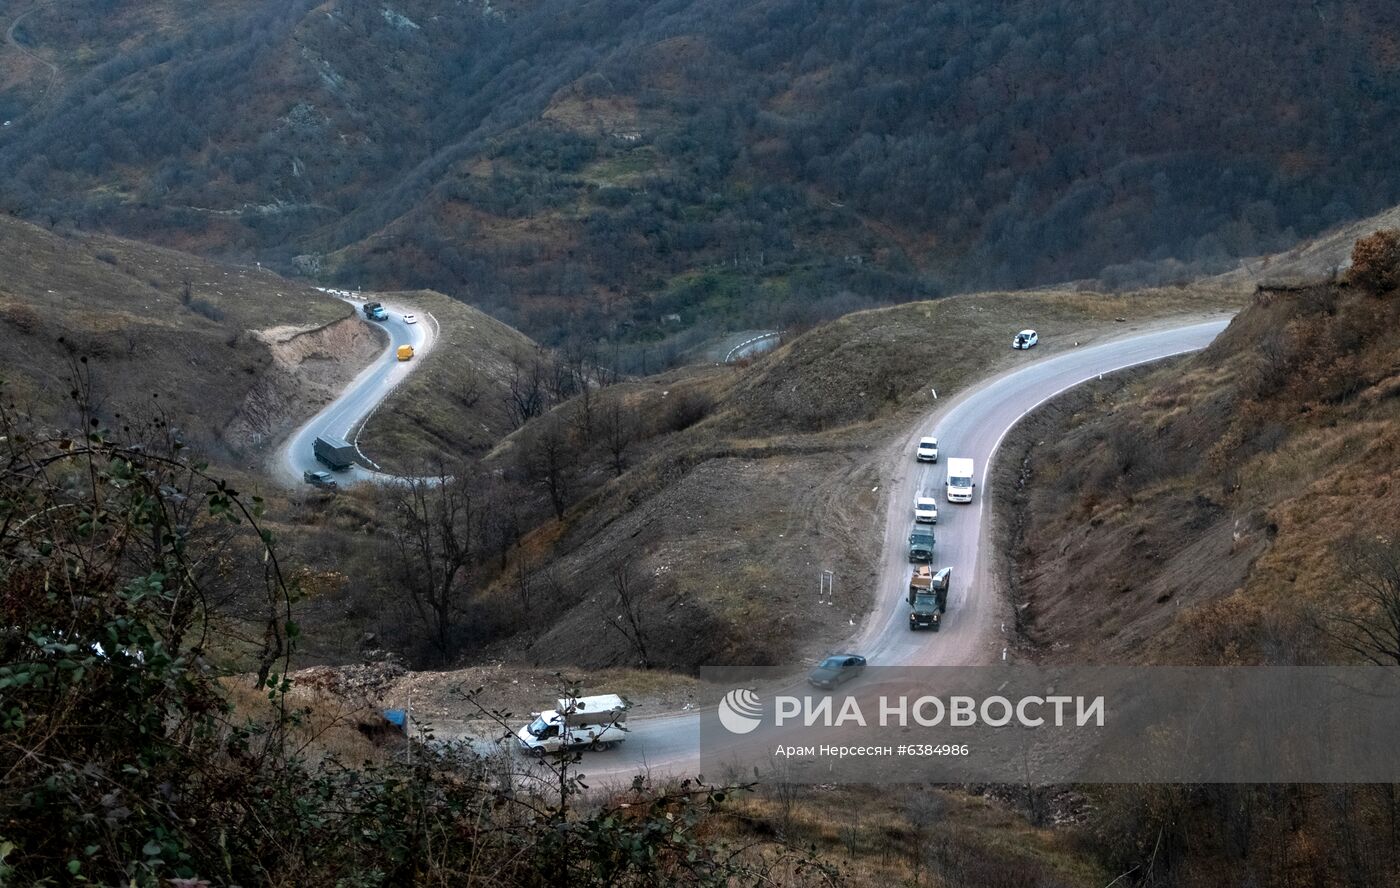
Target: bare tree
{"x":550,"y":459}
{"x":502,"y":525}
{"x":560,"y":379}
{"x":434,"y":543}
{"x":524,"y":398}
{"x":1371,"y":568}
{"x":630,"y":620}
{"x":524,"y":582}
{"x":469,"y":391}
{"x":584,"y":417}
{"x":621,"y":426}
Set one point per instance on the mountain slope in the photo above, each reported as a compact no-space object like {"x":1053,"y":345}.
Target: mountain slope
{"x":1220,"y":505}
{"x":594,"y":168}
{"x":731,"y":497}
{"x":230,"y":354}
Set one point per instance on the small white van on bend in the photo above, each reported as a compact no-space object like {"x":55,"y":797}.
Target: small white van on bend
{"x":960,"y":483}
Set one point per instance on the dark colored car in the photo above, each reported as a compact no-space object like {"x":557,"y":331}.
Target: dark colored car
{"x":837,"y":669}
{"x":319,"y":479}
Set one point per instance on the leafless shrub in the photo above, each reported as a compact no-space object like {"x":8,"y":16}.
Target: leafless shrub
{"x":629,"y":601}
{"x":620,"y":428}
{"x":686,"y":408}
{"x":1371,"y":627}
{"x":525,"y":395}
{"x":22,"y":318}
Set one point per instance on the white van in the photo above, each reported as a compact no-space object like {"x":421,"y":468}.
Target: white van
{"x":960,"y":483}
{"x":577,"y":722}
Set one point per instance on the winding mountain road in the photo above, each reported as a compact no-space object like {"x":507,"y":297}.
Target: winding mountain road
{"x":973,"y":424}
{"x":12,"y":39}
{"x":344,"y":416}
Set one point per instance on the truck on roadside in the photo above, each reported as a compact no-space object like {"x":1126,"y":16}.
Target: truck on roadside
{"x":959,"y":484}
{"x":920,"y":543}
{"x":928,"y":597}
{"x":374,"y":311}
{"x":596,"y":722}
{"x":334,"y":453}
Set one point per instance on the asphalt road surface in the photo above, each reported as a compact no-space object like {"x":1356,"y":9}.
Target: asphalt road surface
{"x":343,"y":417}
{"x":972,"y":425}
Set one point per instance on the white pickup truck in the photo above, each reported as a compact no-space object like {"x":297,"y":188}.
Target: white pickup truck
{"x":576,"y":723}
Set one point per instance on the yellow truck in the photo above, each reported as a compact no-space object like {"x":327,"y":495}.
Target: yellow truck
{"x":405,"y":352}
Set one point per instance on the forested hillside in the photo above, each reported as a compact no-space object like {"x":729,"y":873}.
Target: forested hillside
{"x":600,"y":166}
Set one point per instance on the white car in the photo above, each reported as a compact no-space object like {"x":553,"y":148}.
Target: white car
{"x":1025,"y":339}
{"x":925,"y":509}
{"x":927,"y":451}
{"x":410,"y":319}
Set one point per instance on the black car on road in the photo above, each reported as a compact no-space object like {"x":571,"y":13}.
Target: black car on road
{"x":836,"y":670}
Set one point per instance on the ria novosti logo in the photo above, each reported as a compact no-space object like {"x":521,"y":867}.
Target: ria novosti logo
{"x":740,"y":711}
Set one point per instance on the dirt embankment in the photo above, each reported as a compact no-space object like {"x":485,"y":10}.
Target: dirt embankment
{"x":476,"y":700}
{"x":1203,"y":511}
{"x":309,"y":366}
{"x":165,"y":334}
{"x":1104,"y":585}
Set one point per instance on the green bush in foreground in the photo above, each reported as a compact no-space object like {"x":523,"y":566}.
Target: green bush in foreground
{"x":124,"y":761}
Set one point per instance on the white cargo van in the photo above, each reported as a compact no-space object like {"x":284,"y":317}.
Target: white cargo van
{"x":960,"y":483}
{"x":576,"y":722}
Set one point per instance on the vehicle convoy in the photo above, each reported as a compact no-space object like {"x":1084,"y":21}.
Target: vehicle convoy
{"x":375,"y":312}
{"x":405,"y":352}
{"x":927,"y":451}
{"x":925,"y":509}
{"x":959,"y":484}
{"x":928,"y":597}
{"x":1025,"y":339}
{"x":920,"y":543}
{"x":334,"y":453}
{"x":575,"y":723}
{"x":319,"y":478}
{"x":836,"y":669}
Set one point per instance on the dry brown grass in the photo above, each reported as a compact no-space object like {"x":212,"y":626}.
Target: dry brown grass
{"x":162,"y":330}
{"x":452,"y":406}
{"x":1252,"y":465}
{"x":325,"y":727}
{"x":914,"y":835}
{"x":736,"y":516}
{"x":873,"y":364}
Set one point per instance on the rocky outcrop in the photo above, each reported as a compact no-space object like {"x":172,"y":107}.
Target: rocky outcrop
{"x":306,"y":367}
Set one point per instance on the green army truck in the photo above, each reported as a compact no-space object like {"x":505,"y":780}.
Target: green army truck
{"x":928,"y":597}
{"x":920,"y":543}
